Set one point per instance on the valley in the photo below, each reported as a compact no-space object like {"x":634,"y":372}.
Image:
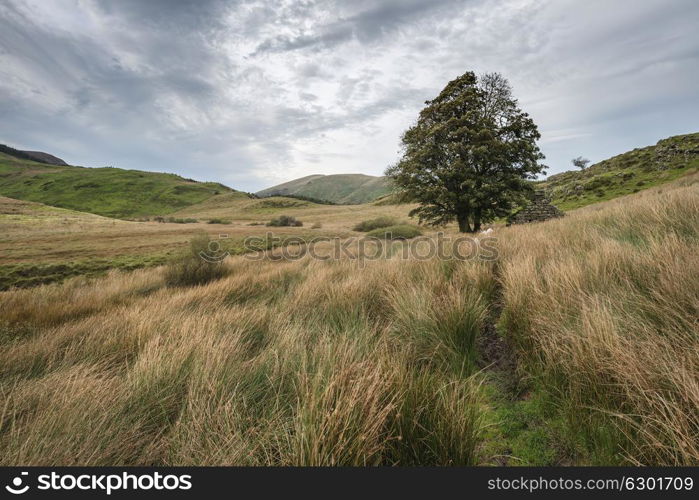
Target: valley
{"x":397,"y":361}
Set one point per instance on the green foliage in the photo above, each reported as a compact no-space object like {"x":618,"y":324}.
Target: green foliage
{"x":280,"y":203}
{"x":469,"y":155}
{"x":399,"y":232}
{"x":216,"y":220}
{"x":369,"y":225}
{"x":111,"y":192}
{"x":194,"y":268}
{"x":285,"y":221}
{"x":317,"y":201}
{"x":527,"y":430}
{"x":180,"y":220}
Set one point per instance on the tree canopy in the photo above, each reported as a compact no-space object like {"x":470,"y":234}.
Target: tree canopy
{"x":469,"y":155}
{"x":580,"y":162}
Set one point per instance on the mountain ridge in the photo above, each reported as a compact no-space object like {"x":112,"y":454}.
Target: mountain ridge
{"x":347,"y":189}
{"x":38,"y":156}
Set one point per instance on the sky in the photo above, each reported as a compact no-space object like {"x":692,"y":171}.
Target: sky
{"x":254,"y":93}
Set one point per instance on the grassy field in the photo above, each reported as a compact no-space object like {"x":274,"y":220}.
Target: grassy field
{"x":111,"y":192}
{"x":42,"y":244}
{"x":577,"y":345}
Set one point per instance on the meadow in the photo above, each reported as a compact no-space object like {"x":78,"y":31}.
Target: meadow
{"x":44,"y":244}
{"x":577,"y":345}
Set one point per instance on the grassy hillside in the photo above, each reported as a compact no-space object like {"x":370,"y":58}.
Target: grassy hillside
{"x":111,"y":192}
{"x":341,"y":188}
{"x":578,"y":345}
{"x":38,"y":156}
{"x":626,"y":173}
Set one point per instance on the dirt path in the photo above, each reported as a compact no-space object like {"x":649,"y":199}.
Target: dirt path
{"x":521,"y":423}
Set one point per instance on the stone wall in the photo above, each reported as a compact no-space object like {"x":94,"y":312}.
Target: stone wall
{"x":540,"y":209}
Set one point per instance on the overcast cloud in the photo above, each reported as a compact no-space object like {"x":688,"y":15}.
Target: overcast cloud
{"x":253,"y":93}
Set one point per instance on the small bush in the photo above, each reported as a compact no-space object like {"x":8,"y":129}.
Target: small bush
{"x":379,"y":222}
{"x":219,"y":221}
{"x":599,"y":182}
{"x":193,"y":268}
{"x":176,"y":220}
{"x":285,"y":221}
{"x":399,"y":232}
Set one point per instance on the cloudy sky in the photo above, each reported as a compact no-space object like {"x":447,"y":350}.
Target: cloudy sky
{"x":253,"y":93}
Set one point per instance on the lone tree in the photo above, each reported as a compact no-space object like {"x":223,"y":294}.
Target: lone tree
{"x":469,"y":155}
{"x":580,"y":162}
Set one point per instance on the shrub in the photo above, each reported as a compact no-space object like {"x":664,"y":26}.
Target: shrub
{"x":285,"y":221}
{"x":318,"y":201}
{"x":399,"y":232}
{"x":193,"y":268}
{"x":176,"y":220}
{"x":219,"y":221}
{"x":379,"y":222}
{"x":599,"y":182}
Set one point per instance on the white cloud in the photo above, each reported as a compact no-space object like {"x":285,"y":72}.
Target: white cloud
{"x":256,"y":93}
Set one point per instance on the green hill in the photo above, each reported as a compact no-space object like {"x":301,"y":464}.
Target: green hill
{"x":626,"y":173}
{"x":351,"y":189}
{"x":107,"y":191}
{"x":39,"y":156}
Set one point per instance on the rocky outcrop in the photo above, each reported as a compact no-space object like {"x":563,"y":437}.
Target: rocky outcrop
{"x":540,"y":209}
{"x":675,"y":153}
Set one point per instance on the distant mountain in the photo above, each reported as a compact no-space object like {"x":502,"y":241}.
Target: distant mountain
{"x":44,"y":158}
{"x":340,"y":188}
{"x":108,"y":191}
{"x":32,"y":155}
{"x":626,"y":173}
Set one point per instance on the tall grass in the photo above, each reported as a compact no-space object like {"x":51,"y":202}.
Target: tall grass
{"x":196,"y":266}
{"x":275,"y":363}
{"x":603,"y":308}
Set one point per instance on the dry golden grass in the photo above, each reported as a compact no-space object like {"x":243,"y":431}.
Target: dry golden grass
{"x":35,"y":233}
{"x":338,"y":218}
{"x":278,"y":363}
{"x":603,"y":307}
{"x":312,"y":362}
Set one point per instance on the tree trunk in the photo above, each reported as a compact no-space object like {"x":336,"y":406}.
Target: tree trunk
{"x":464,"y":226}
{"x":477,"y":220}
